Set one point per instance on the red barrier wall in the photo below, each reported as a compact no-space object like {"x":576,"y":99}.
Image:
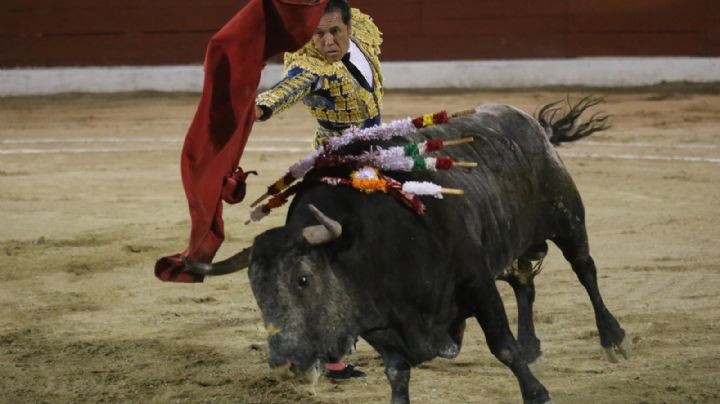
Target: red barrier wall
{"x":139,"y":32}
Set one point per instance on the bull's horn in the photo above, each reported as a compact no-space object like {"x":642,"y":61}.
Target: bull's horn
{"x":328,"y":231}
{"x":235,"y":263}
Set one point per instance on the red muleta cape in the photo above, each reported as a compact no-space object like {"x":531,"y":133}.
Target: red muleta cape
{"x":219,"y":131}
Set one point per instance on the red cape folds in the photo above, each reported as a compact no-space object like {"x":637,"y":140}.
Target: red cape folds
{"x":217,"y":136}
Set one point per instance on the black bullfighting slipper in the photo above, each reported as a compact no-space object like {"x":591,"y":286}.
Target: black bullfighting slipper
{"x":346,"y":373}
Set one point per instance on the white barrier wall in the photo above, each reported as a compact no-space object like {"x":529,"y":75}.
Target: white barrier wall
{"x":598,"y":72}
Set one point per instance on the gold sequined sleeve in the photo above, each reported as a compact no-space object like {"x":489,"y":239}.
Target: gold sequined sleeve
{"x":287,"y":92}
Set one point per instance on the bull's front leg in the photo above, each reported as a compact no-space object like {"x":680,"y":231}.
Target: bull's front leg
{"x":483,"y":296}
{"x":397,"y":370}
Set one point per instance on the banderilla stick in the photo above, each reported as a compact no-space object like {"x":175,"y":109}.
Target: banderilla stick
{"x":260,"y":199}
{"x":452,"y":191}
{"x":456,"y":142}
{"x":462,"y":113}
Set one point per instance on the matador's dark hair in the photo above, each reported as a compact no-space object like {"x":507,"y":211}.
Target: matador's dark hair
{"x":340,"y":5}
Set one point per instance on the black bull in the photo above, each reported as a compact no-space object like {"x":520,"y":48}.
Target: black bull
{"x":406,"y":283}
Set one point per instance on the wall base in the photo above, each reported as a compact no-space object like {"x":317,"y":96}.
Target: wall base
{"x":595,"y":72}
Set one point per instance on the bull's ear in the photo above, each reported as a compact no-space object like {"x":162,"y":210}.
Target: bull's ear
{"x":323,"y":233}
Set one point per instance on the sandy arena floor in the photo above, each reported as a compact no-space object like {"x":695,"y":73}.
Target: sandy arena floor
{"x":90,"y":197}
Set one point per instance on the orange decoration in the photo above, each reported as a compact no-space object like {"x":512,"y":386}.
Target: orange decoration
{"x":370,"y":185}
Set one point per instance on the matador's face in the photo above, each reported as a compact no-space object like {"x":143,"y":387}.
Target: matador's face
{"x":332,"y":36}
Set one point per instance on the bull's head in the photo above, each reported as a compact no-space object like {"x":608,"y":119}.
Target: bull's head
{"x":304,"y":305}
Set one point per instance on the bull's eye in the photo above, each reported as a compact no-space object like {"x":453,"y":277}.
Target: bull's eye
{"x":302,"y":281}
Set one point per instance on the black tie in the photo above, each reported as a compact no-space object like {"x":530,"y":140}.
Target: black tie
{"x":355,"y":72}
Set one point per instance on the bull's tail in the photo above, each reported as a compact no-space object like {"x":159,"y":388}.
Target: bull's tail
{"x":565,"y":127}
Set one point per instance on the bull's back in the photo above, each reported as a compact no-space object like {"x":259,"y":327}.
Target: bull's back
{"x":509,"y":195}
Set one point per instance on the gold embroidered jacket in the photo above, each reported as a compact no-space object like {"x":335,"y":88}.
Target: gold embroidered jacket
{"x":328,"y":90}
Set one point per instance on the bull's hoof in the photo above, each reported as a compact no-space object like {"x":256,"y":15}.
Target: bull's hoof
{"x":545,"y":401}
{"x":309,"y":376}
{"x":612,"y":351}
{"x":539,"y":396}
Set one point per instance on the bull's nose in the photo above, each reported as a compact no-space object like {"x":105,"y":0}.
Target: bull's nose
{"x":272,"y":329}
